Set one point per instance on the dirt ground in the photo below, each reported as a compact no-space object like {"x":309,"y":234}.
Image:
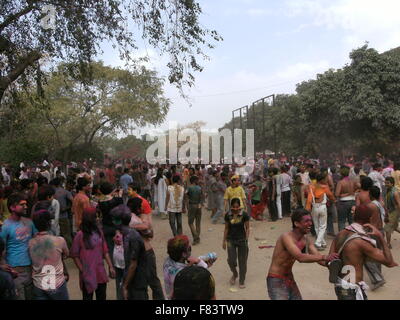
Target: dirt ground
{"x":312,"y":279}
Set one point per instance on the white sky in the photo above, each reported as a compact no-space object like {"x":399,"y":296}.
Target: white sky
{"x":269,"y":46}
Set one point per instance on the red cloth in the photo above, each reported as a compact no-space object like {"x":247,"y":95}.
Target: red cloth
{"x":146,"y":208}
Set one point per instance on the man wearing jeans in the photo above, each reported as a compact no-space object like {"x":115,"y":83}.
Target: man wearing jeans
{"x":194,"y":196}
{"x":292,"y":246}
{"x":64,"y":197}
{"x":286,"y":182}
{"x":345,"y":192}
{"x":174,"y":205}
{"x":16,"y":233}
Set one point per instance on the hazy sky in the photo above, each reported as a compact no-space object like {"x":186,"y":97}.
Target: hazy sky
{"x":271,"y":45}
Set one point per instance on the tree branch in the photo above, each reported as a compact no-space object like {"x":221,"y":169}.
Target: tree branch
{"x":10,"y":19}
{"x":19,"y":69}
{"x":97,"y":129}
{"x":55,"y":129}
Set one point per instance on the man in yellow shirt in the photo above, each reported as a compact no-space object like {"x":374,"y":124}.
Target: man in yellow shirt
{"x":235,"y":191}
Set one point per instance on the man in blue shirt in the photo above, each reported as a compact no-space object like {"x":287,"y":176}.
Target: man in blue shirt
{"x":16,"y":233}
{"x":124,"y":181}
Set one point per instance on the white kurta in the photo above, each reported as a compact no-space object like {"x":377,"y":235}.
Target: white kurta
{"x":161,"y":194}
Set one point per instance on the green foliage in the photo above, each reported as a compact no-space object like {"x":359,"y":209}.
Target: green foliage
{"x":72,"y":116}
{"x":355,"y":109}
{"x":80,"y":27}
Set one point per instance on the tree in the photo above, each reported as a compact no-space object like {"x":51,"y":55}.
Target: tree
{"x":80,"y":26}
{"x":355,"y":109}
{"x":72,"y":115}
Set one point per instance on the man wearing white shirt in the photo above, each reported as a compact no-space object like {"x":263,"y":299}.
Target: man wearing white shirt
{"x":6,"y":177}
{"x":377,"y":177}
{"x":286,"y":182}
{"x":278,"y":183}
{"x":24,"y":174}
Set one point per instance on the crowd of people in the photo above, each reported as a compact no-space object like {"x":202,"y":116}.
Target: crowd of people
{"x":102,"y":214}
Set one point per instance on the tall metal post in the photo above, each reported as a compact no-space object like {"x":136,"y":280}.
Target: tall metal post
{"x":263,"y":124}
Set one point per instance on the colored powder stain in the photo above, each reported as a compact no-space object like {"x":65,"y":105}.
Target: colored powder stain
{"x":43,"y":249}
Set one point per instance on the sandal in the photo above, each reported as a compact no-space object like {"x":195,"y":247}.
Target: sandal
{"x":233,"y":280}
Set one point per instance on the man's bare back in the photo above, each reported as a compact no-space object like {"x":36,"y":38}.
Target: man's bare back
{"x":356,"y":251}
{"x":345,"y":188}
{"x":363,"y":198}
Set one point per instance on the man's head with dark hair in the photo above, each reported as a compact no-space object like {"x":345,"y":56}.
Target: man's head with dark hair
{"x":396,"y":165}
{"x":26,"y":183}
{"x":194,"y":283}
{"x":82,"y":184}
{"x":344,"y":171}
{"x":42,"y":220}
{"x":121,"y":215}
{"x":17,"y":204}
{"x":362,"y":214}
{"x":374,"y":193}
{"x":324,"y":170}
{"x":366,"y":183}
{"x":101,"y":175}
{"x":42,"y":181}
{"x":301,"y":219}
{"x":56,"y":182}
{"x":389,"y":182}
{"x":42,"y":205}
{"x":126,"y":170}
{"x":106,"y":188}
{"x":321,"y":177}
{"x":178,"y":248}
{"x":135,"y":186}
{"x":45,"y":192}
{"x":135,"y":205}
{"x":313,"y":175}
{"x":194,"y":179}
{"x":176,"y":178}
{"x":377,"y":166}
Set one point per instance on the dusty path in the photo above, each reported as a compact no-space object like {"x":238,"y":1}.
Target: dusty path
{"x":312,"y":279}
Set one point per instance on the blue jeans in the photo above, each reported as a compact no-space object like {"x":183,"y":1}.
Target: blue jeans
{"x":118,"y":282}
{"x":331,"y":215}
{"x":344,"y":213}
{"x":282,"y":288}
{"x":175,"y":222}
{"x":59,"y":294}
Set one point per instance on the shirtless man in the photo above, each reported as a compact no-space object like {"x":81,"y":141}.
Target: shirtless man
{"x":378,"y":214}
{"x":363,"y":196}
{"x":355,"y":244}
{"x":292,"y":246}
{"x":345,"y":192}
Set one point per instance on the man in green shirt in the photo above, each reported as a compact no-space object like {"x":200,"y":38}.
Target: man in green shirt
{"x":194,"y":203}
